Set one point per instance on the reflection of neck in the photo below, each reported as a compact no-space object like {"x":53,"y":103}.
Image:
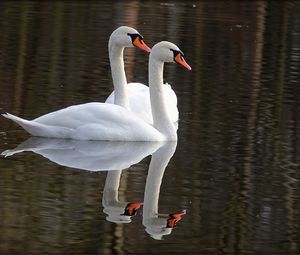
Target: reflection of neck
{"x":118,"y":73}
{"x":161,"y":119}
{"x":158,"y":164}
{"x":110,"y":192}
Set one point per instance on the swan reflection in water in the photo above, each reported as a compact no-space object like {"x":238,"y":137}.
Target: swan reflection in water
{"x":113,"y":157}
{"x":157,"y":225}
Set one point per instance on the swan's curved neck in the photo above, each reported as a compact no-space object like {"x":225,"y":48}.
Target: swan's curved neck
{"x":161,"y":119}
{"x":118,"y":73}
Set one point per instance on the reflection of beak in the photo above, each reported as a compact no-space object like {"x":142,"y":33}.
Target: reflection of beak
{"x":141,"y":44}
{"x":180,"y":60}
{"x":131,"y":208}
{"x":174,"y":218}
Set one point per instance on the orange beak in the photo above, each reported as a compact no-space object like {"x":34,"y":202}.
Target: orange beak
{"x":141,"y":44}
{"x":135,"y":205}
{"x":180,"y":60}
{"x":174,"y":218}
{"x":131,"y":208}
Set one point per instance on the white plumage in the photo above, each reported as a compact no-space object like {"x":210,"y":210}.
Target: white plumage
{"x":139,"y":101}
{"x":101,"y":121}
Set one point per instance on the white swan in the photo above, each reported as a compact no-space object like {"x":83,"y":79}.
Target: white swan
{"x":101,"y":121}
{"x":133,"y":96}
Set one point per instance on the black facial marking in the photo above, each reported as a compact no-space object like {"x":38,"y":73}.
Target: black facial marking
{"x":176,"y":52}
{"x":134,"y":36}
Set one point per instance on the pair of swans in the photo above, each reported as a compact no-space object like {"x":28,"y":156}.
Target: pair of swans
{"x":113,"y":157}
{"x":138,"y":113}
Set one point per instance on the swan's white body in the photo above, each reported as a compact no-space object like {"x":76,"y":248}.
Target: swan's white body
{"x":139,"y":101}
{"x":101,"y":121}
{"x":91,"y":121}
{"x":133,"y":96}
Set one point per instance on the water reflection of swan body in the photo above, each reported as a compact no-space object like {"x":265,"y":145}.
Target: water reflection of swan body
{"x":95,"y":156}
{"x":157,"y":225}
{"x":100,"y":155}
{"x":87,"y":155}
{"x":102,"y":121}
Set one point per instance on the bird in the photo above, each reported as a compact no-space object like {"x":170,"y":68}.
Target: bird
{"x":134,"y":96}
{"x":102,"y":121}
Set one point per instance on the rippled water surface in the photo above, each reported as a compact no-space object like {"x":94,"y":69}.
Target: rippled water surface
{"x":235,"y":167}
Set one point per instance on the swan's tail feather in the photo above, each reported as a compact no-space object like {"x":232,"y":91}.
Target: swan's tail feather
{"x":22,"y":122}
{"x":13,"y":117}
{"x":26,"y":124}
{"x":8,"y":153}
{"x":39,"y":129}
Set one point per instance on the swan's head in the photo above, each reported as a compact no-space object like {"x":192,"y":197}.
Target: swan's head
{"x":168,"y":52}
{"x":128,"y":37}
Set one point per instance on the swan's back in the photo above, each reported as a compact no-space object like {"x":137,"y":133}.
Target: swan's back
{"x":91,"y":121}
{"x":139,"y":101}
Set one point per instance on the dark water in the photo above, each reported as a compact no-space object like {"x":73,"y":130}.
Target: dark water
{"x":236,"y":166}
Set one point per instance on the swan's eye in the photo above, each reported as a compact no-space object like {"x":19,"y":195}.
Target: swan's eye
{"x":135,"y":36}
{"x":137,"y":40}
{"x":177,"y":54}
